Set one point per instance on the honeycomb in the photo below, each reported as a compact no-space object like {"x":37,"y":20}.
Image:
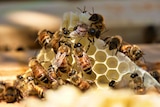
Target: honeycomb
{"x":106,"y":65}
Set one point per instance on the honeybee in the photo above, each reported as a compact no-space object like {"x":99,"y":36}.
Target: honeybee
{"x":39,"y":72}
{"x":97,"y":26}
{"x":82,"y":58}
{"x":132,"y":51}
{"x":65,"y":50}
{"x":54,"y":42}
{"x":137,"y":84}
{"x":114,"y":42}
{"x":12,"y":94}
{"x":44,"y":37}
{"x":61,"y":63}
{"x":97,"y":21}
{"x":76,"y":80}
{"x":36,"y":90}
{"x":22,"y":84}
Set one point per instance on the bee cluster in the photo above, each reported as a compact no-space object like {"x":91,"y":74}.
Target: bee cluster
{"x":81,"y":54}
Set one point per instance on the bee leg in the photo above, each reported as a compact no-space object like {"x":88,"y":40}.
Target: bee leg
{"x":89,"y":44}
{"x":88,"y":47}
{"x":116,"y":51}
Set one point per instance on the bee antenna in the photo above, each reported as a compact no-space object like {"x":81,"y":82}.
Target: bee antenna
{"x":83,"y":11}
{"x":93,"y":9}
{"x":36,"y":40}
{"x":79,"y":9}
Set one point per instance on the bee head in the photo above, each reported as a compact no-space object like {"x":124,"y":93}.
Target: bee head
{"x":115,"y":42}
{"x":65,"y":31}
{"x":77,"y":45}
{"x":20,"y":77}
{"x":33,"y":61}
{"x":96,"y":18}
{"x":73,"y":72}
{"x":133,"y":75}
{"x":112,"y":83}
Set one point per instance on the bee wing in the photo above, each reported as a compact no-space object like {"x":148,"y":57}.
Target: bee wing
{"x":58,"y":59}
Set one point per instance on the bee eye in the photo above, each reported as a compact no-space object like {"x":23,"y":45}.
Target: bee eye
{"x":79,"y":45}
{"x":92,"y":31}
{"x":133,"y":75}
{"x":20,"y":77}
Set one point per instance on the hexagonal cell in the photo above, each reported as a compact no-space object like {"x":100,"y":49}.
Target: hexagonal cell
{"x":102,"y":80}
{"x":112,"y":62}
{"x":100,"y":56}
{"x":100,"y":68}
{"x":123,"y":67}
{"x":132,"y":66}
{"x":121,"y":56}
{"x":112,"y":75}
{"x":89,"y":77}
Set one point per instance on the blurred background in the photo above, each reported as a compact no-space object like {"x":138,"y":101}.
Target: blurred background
{"x":138,"y":22}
